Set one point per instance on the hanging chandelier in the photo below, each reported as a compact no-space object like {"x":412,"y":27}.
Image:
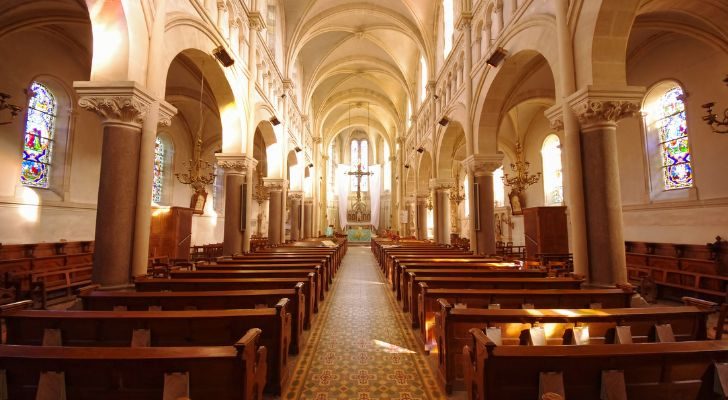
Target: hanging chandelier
{"x":457,"y":193}
{"x":260,"y":194}
{"x":523,"y":179}
{"x":5,"y":105}
{"x":199,"y":172}
{"x":718,"y":125}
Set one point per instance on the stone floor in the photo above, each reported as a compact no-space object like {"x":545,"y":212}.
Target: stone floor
{"x":361,"y":346}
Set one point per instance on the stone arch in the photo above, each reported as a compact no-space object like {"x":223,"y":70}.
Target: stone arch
{"x":450,"y":149}
{"x":424,"y":172}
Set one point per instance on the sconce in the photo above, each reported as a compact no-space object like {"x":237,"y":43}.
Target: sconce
{"x":275,"y":121}
{"x":444,"y":121}
{"x":14,"y":110}
{"x":420,"y":149}
{"x":297,"y":149}
{"x":711,"y":119}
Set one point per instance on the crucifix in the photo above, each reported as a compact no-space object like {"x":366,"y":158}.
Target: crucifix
{"x":359,"y":174}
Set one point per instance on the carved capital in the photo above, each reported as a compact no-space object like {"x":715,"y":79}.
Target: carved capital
{"x":593,"y":105}
{"x":256,"y":21}
{"x":275,"y":183}
{"x":483,"y":164}
{"x":166,"y":112}
{"x":115,"y":102}
{"x":236,"y":163}
{"x":555,"y":115}
{"x":295,"y":195}
{"x":442,"y":183}
{"x":465,"y":21}
{"x":316,"y":140}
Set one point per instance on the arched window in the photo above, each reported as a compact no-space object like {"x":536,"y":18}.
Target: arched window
{"x":553,"y":186}
{"x":270,"y":21}
{"x":673,"y":138}
{"x":449,"y":26}
{"x":161,"y":181}
{"x":499,"y":192}
{"x":40,"y":129}
{"x":667,"y":143}
{"x":360,"y":155}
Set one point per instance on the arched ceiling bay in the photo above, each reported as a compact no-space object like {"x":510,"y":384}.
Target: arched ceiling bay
{"x":357,"y":56}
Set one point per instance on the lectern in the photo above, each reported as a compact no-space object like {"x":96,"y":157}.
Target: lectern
{"x":171,"y":233}
{"x":545,"y":229}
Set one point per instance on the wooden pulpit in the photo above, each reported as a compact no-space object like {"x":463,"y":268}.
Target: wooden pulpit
{"x":171,"y":233}
{"x":545,"y":230}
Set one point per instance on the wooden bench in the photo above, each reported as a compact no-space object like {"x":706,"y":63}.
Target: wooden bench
{"x":144,"y":284}
{"x":216,"y":300}
{"x":659,"y":371}
{"x":242,"y":273}
{"x":317,"y":266}
{"x":258,"y":260}
{"x":58,"y":285}
{"x":394,"y":273}
{"x":235,"y":372}
{"x":452,"y":327}
{"x":166,"y":329}
{"x":484,"y":282}
{"x":393,"y":258}
{"x":512,"y":299}
{"x":332,"y":254}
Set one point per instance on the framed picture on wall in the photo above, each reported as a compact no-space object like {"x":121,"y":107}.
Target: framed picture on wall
{"x":516,"y":199}
{"x":198,"y":202}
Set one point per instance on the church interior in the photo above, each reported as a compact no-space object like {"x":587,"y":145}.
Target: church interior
{"x":378,"y":199}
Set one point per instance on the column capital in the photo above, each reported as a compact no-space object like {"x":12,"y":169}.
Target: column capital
{"x":287,"y":84}
{"x":555,"y":115}
{"x":295,"y":194}
{"x":392,"y":158}
{"x":465,"y":20}
{"x":315,"y":140}
{"x":166,"y":112}
{"x":442,"y":183}
{"x":275,"y":183}
{"x":236,"y":163}
{"x":116,"y":102}
{"x":596,"y":105}
{"x":256,"y":21}
{"x":483,"y":164}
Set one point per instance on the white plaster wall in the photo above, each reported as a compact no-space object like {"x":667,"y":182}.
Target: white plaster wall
{"x":699,"y":216}
{"x":68,"y":210}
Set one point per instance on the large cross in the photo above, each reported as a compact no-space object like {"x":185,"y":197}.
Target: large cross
{"x":359,"y":173}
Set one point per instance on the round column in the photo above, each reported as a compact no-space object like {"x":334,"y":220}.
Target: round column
{"x":422,"y":218}
{"x":308,"y":219}
{"x":443,"y":215}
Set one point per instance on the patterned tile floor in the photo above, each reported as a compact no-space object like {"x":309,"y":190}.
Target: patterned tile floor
{"x":361,"y":346}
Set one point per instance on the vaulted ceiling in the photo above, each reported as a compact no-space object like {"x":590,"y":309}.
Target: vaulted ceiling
{"x":359,"y":60}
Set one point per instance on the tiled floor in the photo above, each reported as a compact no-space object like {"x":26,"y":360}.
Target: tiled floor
{"x":361,"y":346}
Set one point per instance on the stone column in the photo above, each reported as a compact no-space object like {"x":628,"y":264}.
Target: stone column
{"x":308,"y":218}
{"x":482,"y":219}
{"x":442,"y":214}
{"x":122,"y":106}
{"x":275,"y":204}
{"x":295,"y":197}
{"x":421,"y":217}
{"x":238,"y":172}
{"x":598,"y":111}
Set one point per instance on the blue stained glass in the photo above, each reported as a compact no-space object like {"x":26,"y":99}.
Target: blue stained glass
{"x":673,"y":134}
{"x":158,"y":180}
{"x":39,"y":132}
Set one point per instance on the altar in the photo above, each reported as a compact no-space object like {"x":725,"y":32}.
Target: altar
{"x":358,"y":233}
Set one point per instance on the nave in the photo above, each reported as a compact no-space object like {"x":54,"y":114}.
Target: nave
{"x":362,"y":346}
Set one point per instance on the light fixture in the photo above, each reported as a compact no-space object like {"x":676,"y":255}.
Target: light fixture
{"x":199,"y":172}
{"x":522,"y":180}
{"x":4,"y":105}
{"x":274,"y":121}
{"x":260,"y":194}
{"x":406,"y":165}
{"x":283,"y":96}
{"x":711,"y":119}
{"x":496,"y":57}
{"x":223,"y":56}
{"x":435,"y":96}
{"x":310,"y":165}
{"x":420,"y":149}
{"x":443,"y":121}
{"x":297,"y":149}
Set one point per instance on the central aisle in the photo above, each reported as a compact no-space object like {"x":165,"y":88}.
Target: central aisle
{"x":361,"y":346}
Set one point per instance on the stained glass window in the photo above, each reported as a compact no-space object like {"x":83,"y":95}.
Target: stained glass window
{"x":553,"y":186}
{"x":673,"y":137}
{"x":39,"y":131}
{"x":158,"y":181}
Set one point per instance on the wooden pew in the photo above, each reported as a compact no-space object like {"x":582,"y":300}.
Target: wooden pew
{"x":452,"y":328}
{"x":217,"y":300}
{"x":394,"y":274}
{"x":659,"y":371}
{"x":399,"y":285}
{"x":319,"y":266}
{"x":332,"y":255}
{"x":258,"y":259}
{"x":234,"y":372}
{"x":144,"y":284}
{"x":167,"y":329}
{"x":393,"y":258}
{"x":242,"y":273}
{"x":506,"y":298}
{"x":484,"y":282}
{"x":57,"y":285}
